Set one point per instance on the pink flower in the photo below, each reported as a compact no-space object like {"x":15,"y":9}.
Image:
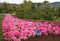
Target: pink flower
{"x":16,"y":29}
{"x":14,"y":39}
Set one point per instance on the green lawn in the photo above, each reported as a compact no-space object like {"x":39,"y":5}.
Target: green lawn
{"x":1,"y":34}
{"x":58,"y":19}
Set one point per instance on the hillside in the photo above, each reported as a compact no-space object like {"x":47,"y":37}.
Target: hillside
{"x":54,"y":4}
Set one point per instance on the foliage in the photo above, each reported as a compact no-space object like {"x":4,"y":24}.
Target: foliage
{"x":1,"y":34}
{"x":6,"y":8}
{"x":28,"y":10}
{"x":35,"y":11}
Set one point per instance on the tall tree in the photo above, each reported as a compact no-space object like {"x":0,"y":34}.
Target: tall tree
{"x":6,"y":8}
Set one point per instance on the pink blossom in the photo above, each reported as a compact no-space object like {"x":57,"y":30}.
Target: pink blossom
{"x":16,"y":29}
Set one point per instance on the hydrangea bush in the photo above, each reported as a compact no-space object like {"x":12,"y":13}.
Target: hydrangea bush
{"x":16,"y":29}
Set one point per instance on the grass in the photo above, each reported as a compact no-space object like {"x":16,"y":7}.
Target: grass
{"x":1,"y":33}
{"x":55,"y":20}
{"x":58,"y":19}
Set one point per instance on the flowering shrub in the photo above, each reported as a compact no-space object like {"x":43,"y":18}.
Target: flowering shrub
{"x":16,"y":29}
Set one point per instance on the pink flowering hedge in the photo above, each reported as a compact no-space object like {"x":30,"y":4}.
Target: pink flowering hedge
{"x":16,"y":29}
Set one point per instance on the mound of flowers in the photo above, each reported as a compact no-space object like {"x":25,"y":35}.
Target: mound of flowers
{"x":16,"y":29}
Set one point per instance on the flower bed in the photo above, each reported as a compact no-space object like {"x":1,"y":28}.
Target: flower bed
{"x":16,"y":29}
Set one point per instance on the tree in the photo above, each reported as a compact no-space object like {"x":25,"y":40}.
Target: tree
{"x":6,"y":8}
{"x":48,"y":10}
{"x":24,"y":10}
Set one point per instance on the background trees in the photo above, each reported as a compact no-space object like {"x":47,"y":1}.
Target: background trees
{"x":29,"y":10}
{"x":6,"y":8}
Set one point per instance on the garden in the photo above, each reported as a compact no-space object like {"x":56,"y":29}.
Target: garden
{"x":29,"y":22}
{"x":15,"y":29}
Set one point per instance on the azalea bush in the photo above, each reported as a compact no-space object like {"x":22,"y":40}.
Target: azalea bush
{"x":15,"y":29}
